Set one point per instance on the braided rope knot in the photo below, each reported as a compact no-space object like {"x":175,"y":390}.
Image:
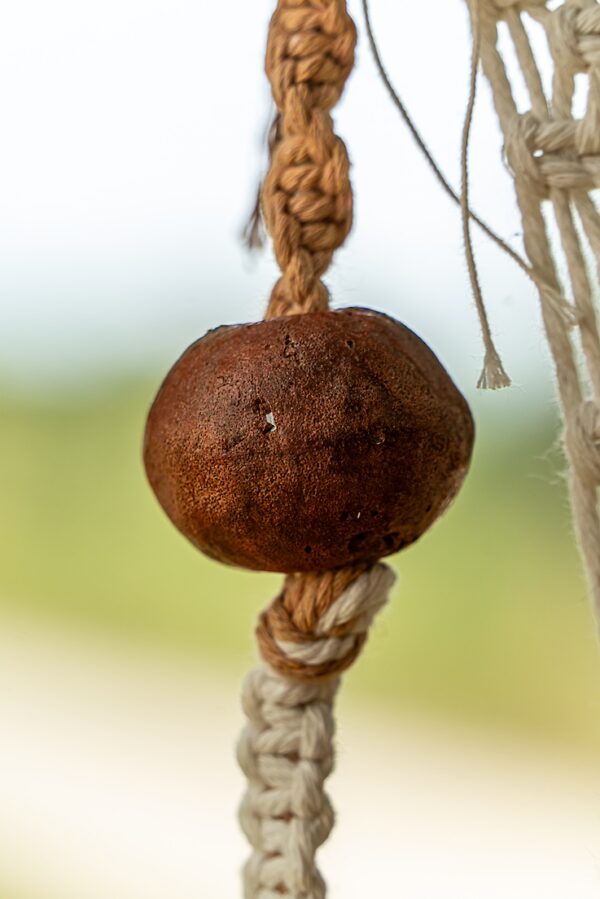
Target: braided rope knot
{"x":563,"y":35}
{"x":306,"y":196}
{"x":521,"y":145}
{"x":318,"y":625}
{"x":583,"y":439}
{"x":528,"y":153}
{"x":574,"y":35}
{"x":564,"y":136}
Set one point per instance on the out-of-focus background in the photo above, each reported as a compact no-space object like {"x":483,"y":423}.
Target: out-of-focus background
{"x":470,"y":729}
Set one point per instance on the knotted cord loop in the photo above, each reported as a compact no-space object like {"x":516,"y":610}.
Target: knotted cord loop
{"x":545,"y":156}
{"x":306,"y":196}
{"x":562,"y":35}
{"x":520,"y":147}
{"x":318,"y":625}
{"x":569,"y":29}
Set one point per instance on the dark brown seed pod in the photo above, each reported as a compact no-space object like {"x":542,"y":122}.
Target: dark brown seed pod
{"x":307,"y":442}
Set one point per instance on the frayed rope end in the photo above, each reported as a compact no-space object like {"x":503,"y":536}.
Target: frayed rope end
{"x":566,"y":312}
{"x":254,"y":234}
{"x":493,"y":376}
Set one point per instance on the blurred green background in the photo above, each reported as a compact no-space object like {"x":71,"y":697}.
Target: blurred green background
{"x":489,"y":621}
{"x":133,"y":139}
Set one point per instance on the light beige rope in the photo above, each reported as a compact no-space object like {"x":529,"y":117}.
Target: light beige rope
{"x":286,"y":749}
{"x":493,"y":376}
{"x":555,"y":161}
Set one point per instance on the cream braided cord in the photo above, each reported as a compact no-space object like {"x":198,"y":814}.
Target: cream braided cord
{"x":286,"y":749}
{"x":555,"y":162}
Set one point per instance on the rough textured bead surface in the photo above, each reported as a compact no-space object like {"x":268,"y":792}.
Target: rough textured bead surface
{"x":307,"y":442}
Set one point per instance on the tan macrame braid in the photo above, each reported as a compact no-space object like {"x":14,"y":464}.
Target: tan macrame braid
{"x":294,"y":618}
{"x":318,"y":625}
{"x":306,"y":196}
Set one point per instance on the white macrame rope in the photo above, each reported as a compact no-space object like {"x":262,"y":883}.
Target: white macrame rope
{"x":554,"y":157}
{"x":555,"y":160}
{"x":286,"y":750}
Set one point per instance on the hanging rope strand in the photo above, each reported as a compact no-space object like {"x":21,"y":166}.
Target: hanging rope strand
{"x":558,"y":177}
{"x":554,"y":157}
{"x":493,"y":376}
{"x":317,"y":626}
{"x":306,"y":196}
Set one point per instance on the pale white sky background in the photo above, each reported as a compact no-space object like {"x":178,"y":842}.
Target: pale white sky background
{"x":131,"y":144}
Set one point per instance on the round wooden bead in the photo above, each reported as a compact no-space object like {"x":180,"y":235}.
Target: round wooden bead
{"x":307,"y":442}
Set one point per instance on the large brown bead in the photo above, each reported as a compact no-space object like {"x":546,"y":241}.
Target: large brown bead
{"x":307,"y":442}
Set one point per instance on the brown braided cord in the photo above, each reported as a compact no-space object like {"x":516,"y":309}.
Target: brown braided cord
{"x":306,"y":201}
{"x":293,"y":618}
{"x":306,"y":196}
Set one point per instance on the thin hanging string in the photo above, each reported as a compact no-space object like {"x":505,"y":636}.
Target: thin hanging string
{"x":493,"y":375}
{"x":254,"y":232}
{"x":426,"y":152}
{"x":551,"y":294}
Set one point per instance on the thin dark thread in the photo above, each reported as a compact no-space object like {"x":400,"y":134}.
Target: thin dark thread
{"x":493,"y":375}
{"x":449,"y":190}
{"x":254,"y":231}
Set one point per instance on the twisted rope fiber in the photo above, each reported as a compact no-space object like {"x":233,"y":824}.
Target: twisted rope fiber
{"x":306,"y":196}
{"x":555,"y":160}
{"x":554,"y":157}
{"x":493,"y":375}
{"x":317,"y":626}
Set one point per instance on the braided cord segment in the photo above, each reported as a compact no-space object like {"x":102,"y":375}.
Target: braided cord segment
{"x":313,"y":631}
{"x":306,"y":196}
